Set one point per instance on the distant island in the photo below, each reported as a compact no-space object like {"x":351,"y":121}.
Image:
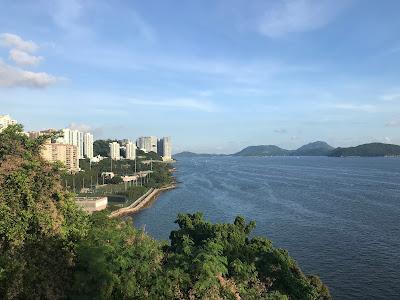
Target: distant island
{"x":192,"y":154}
{"x":372,"y":149}
{"x":318,"y":148}
{"x":262,"y":150}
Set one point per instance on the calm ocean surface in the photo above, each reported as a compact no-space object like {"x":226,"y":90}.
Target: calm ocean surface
{"x":338,"y":217}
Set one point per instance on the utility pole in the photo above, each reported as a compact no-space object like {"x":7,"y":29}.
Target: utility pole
{"x":73,"y":183}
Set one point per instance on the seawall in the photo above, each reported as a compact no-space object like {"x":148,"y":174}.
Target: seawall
{"x":141,"y":202}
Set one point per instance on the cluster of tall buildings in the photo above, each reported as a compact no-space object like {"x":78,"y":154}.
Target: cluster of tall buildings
{"x":147,"y":144}
{"x":162,"y":147}
{"x":74,"y":145}
{"x":128,"y":146}
{"x":82,"y":140}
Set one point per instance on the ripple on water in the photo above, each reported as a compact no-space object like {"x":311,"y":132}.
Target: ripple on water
{"x":337,"y":217}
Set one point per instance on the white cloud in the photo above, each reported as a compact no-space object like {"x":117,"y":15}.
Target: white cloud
{"x":80,"y":127}
{"x":23,"y":58}
{"x":11,"y":76}
{"x":387,"y":139}
{"x":14,"y":77}
{"x":291,"y":16}
{"x":354,"y":107}
{"x":182,"y":103}
{"x":14,"y":41}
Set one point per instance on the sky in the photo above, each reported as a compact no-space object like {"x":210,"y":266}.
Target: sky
{"x":215,"y":75}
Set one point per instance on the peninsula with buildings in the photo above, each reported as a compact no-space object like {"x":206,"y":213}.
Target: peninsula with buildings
{"x":114,"y":177}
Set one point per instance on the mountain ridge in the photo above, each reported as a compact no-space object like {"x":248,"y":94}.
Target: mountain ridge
{"x":318,"y":148}
{"x":367,"y":150}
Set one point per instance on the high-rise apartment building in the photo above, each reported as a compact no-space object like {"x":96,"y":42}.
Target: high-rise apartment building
{"x":147,"y":143}
{"x":67,"y":154}
{"x":165,"y":148}
{"x":130,"y":151}
{"x":114,"y":151}
{"x":88,"y":145}
{"x":80,"y":144}
{"x":5,"y":121}
{"x":77,"y":138}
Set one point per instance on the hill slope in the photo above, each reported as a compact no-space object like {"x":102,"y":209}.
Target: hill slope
{"x":318,"y":148}
{"x":263,"y":150}
{"x":372,"y":149}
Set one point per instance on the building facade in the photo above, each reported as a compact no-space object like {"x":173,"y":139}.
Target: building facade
{"x":165,"y":148}
{"x":67,"y":154}
{"x":88,"y":145}
{"x":130,"y":151}
{"x":115,"y":151}
{"x":147,"y":143}
{"x":5,"y":121}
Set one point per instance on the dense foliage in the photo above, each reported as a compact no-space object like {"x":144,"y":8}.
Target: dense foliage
{"x":91,"y":173}
{"x":39,"y":223}
{"x":102,"y":147}
{"x":50,"y":249}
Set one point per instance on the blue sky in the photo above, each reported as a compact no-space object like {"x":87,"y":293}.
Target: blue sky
{"x":215,"y":75}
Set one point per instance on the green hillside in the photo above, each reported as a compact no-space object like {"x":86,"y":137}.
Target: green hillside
{"x":263,"y":150}
{"x":372,"y":149}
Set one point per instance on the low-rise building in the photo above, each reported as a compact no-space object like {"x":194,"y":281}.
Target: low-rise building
{"x":36,"y":134}
{"x":108,"y":175}
{"x":92,"y":204}
{"x":96,"y":159}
